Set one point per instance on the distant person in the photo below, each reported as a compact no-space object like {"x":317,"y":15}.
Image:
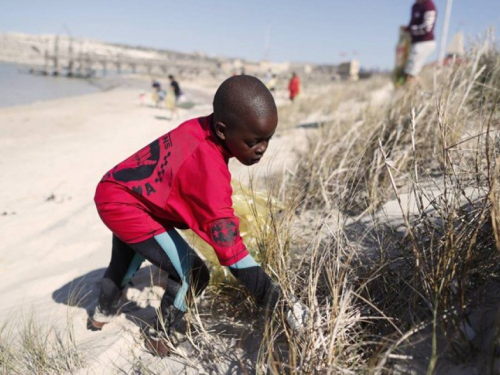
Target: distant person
{"x":181,"y":180}
{"x":173,"y":95}
{"x":294,"y":86}
{"x":272,"y":82}
{"x":158,"y":93}
{"x":268,"y":76}
{"x":175,"y":86}
{"x":156,"y":84}
{"x":423,"y":44}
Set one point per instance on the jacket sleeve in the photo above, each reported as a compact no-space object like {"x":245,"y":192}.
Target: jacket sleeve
{"x":428,"y":22}
{"x":201,"y":195}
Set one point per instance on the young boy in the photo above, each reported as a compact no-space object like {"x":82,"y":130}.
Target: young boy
{"x":181,"y":180}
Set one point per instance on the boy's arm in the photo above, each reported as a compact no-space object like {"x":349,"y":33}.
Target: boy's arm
{"x":267,"y":292}
{"x":204,"y":201}
{"x":201,"y":196}
{"x":425,"y":27}
{"x":428,"y":22}
{"x":259,"y":284}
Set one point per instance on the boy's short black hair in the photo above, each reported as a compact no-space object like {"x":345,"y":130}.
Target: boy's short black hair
{"x":242,"y":95}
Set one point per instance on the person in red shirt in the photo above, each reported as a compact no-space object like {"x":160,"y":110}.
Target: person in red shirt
{"x":294,"y":86}
{"x":421,"y":29}
{"x":181,"y":180}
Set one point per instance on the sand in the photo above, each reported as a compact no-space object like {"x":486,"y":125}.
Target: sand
{"x":53,"y":242}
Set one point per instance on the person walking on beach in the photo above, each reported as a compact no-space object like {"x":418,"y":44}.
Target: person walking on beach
{"x":271,"y":83}
{"x":158,"y":93}
{"x":181,"y":180}
{"x":294,"y":86}
{"x":423,"y":44}
{"x":173,"y":95}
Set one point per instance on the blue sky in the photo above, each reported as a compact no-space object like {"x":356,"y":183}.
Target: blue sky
{"x":317,"y":31}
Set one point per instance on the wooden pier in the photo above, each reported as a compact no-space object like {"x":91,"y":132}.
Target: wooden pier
{"x":87,"y":64}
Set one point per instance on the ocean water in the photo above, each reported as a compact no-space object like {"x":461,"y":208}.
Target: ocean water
{"x":18,"y":87}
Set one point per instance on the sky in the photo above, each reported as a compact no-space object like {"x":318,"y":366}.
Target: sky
{"x":314,"y":31}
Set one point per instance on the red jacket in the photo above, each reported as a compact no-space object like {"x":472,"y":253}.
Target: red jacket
{"x":180,"y":180}
{"x":294,"y":87}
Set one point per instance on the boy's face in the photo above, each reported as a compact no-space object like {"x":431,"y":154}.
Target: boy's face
{"x":248,"y":141}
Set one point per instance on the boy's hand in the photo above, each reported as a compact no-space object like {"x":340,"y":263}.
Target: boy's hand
{"x":297,"y":316}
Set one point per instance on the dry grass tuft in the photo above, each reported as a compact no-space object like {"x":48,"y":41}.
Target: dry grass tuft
{"x":34,"y":348}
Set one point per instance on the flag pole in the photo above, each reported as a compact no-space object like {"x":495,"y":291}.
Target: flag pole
{"x":444,"y":32}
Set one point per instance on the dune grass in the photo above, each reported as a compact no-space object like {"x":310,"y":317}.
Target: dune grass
{"x":437,"y":147}
{"x":28,"y":346}
{"x":376,"y":286}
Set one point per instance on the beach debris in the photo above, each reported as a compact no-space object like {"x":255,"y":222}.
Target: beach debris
{"x":58,"y":198}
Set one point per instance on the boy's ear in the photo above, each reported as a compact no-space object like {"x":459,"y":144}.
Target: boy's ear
{"x":220,"y":130}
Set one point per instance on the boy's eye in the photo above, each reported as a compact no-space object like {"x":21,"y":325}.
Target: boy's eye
{"x":251,"y":144}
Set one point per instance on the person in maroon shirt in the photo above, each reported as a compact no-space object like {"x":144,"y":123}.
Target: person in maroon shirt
{"x":421,"y":29}
{"x":181,"y":180}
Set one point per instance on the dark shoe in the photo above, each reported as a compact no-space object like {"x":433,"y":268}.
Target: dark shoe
{"x":107,"y":305}
{"x":157,"y":342}
{"x":100,"y":318}
{"x":157,"y":337}
{"x":170,"y":317}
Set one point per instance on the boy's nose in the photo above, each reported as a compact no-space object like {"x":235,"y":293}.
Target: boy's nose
{"x":262,"y":148}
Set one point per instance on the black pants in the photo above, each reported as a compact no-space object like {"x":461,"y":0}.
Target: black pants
{"x":186,"y":271}
{"x":127,"y":258}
